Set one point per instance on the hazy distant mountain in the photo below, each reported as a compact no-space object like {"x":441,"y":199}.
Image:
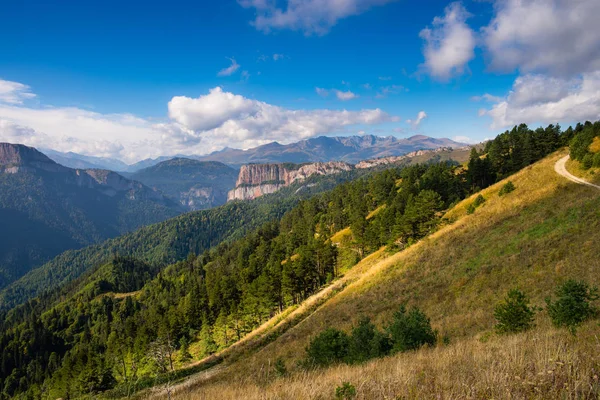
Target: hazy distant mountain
{"x":47,"y":208}
{"x":195,"y":184}
{"x":79,"y":161}
{"x":351,"y":149}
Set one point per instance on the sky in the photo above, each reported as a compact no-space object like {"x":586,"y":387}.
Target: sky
{"x":132,"y":80}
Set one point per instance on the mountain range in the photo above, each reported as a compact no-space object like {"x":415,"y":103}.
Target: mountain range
{"x":351,"y":149}
{"x":51,"y":208}
{"x":194,"y":184}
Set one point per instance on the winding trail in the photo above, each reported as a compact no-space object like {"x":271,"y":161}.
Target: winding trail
{"x":561,"y":169}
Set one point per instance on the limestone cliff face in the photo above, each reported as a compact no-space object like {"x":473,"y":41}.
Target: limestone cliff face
{"x":256,"y":180}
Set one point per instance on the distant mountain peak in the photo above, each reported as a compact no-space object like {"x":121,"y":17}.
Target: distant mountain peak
{"x":19,"y":154}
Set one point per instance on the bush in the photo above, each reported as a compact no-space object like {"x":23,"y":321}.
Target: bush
{"x":470,"y":209}
{"x":345,"y":392}
{"x":514,"y":313}
{"x":280,"y":368}
{"x":588,"y":161}
{"x":329,"y":347}
{"x":597,"y":160}
{"x":410,"y":330}
{"x":507,"y":188}
{"x":573,"y":306}
{"x":479,"y":200}
{"x":367,"y":342}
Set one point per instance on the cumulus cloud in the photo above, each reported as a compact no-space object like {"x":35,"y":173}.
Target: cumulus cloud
{"x":417,"y":121}
{"x":14,"y":92}
{"x":449,"y":43}
{"x":313,"y":17}
{"x":345,"y":96}
{"x":229,"y":70}
{"x":194,"y":126}
{"x":539,"y":98}
{"x":233,"y":119}
{"x":557,"y":37}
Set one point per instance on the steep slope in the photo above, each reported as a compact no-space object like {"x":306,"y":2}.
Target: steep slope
{"x":256,"y":180}
{"x":171,"y":240}
{"x":194,"y":184}
{"x":457,"y":275}
{"x":48,"y":208}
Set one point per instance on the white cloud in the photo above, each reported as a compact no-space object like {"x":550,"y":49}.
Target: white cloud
{"x":539,"y":98}
{"x":463,"y":139}
{"x":367,"y":86}
{"x":194,"y":126}
{"x":322,"y":92}
{"x":387,"y":90}
{"x":229,"y":70}
{"x":557,"y":37}
{"x":449,"y":43}
{"x":487,"y":97}
{"x":235,"y":120}
{"x":14,"y":92}
{"x":385,"y":78}
{"x":345,"y":96}
{"x":309,"y":16}
{"x":417,"y":121}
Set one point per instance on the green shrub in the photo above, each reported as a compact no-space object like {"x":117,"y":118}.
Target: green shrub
{"x":514,"y":313}
{"x":470,"y":209}
{"x":597,"y":160}
{"x":479,"y":200}
{"x":507,"y":188}
{"x":588,"y":161}
{"x":345,"y":392}
{"x":329,"y":347}
{"x":367,"y":342}
{"x":573,"y":306}
{"x":410,"y":330}
{"x":280,"y":368}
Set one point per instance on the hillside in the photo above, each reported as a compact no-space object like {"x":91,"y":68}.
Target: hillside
{"x":194,"y":184}
{"x":130,"y":322}
{"x":455,"y":276}
{"x":48,"y":208}
{"x":169,"y":241}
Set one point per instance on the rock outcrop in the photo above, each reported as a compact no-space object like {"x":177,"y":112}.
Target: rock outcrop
{"x":256,"y":180}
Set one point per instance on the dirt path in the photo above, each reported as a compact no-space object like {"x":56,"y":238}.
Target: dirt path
{"x":561,"y":169}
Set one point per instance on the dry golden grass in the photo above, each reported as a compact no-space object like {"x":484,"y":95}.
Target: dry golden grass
{"x":542,"y":364}
{"x":595,"y":146}
{"x":548,"y":229}
{"x":591,"y":175}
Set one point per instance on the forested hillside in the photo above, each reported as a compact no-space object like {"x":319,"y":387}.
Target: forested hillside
{"x":169,"y":241}
{"x":196,"y":185}
{"x":47,"y":208}
{"x":121,"y":324}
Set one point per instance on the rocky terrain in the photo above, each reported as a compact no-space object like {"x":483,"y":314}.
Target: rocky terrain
{"x":256,"y":180}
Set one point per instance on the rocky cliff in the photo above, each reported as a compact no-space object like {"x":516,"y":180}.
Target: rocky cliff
{"x":256,"y":180}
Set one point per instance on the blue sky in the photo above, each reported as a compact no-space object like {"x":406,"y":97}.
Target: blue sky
{"x":144,"y":79}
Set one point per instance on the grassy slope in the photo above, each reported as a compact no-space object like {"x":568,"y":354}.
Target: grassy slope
{"x":543,"y":232}
{"x":591,"y":175}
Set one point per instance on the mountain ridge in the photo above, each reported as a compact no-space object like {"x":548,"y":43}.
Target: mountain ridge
{"x":70,"y":208}
{"x":351,"y":149}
